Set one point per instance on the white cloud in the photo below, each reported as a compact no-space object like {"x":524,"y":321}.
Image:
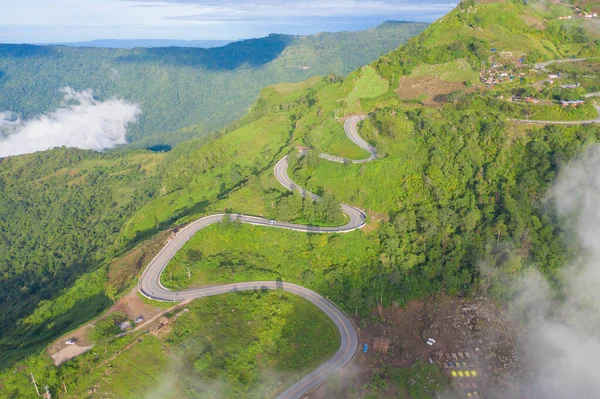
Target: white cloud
{"x":562,"y":346}
{"x":82,"y":122}
{"x":330,"y":9}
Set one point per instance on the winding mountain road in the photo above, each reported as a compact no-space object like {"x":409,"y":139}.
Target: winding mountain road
{"x":350,"y":129}
{"x":150,"y":285}
{"x":542,"y":65}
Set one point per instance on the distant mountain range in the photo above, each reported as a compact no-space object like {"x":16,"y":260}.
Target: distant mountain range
{"x":133,"y":43}
{"x":177,"y":87}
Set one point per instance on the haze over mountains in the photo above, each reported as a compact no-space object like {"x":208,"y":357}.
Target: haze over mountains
{"x":129,"y":44}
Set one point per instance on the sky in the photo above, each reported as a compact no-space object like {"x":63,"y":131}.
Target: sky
{"x":44,"y":21}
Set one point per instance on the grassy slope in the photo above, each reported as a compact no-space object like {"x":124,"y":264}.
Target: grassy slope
{"x":212,"y":171}
{"x":330,"y":137}
{"x":277,"y":338}
{"x":233,"y":252}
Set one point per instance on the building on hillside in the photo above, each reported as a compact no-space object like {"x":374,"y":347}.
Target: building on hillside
{"x":575,"y":103}
{"x":570,"y":86}
{"x":124,"y":326}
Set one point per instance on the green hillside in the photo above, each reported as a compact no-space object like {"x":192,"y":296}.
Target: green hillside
{"x":457,"y":183}
{"x":278,"y":337}
{"x":61,"y":212}
{"x":179,"y":87}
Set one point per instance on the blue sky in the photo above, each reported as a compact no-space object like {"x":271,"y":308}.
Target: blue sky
{"x":44,"y":21}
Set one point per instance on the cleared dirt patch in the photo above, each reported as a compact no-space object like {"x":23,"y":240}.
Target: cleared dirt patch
{"x":68,"y":353}
{"x":458,"y":326}
{"x":532,"y":21}
{"x":131,"y":304}
{"x":61,"y":352}
{"x":375,"y":219}
{"x":430,"y":90}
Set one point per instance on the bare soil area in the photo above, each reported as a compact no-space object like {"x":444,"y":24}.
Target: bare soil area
{"x":375,"y":219}
{"x":131,"y":304}
{"x":433,"y":89}
{"x":469,"y":334}
{"x":123,"y":269}
{"x":533,"y":22}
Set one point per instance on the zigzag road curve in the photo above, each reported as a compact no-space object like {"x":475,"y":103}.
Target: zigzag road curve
{"x":150,"y":285}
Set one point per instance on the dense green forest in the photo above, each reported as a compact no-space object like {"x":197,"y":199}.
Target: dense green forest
{"x":456,"y":186}
{"x":60,"y":214}
{"x":179,"y":87}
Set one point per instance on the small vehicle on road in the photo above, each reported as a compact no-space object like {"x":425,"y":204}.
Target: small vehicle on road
{"x":139,"y":319}
{"x":71,"y":341}
{"x":272,"y":222}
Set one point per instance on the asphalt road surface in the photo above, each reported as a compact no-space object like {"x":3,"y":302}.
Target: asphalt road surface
{"x":350,"y":129}
{"x":586,"y":122}
{"x":150,"y":285}
{"x":542,"y":65}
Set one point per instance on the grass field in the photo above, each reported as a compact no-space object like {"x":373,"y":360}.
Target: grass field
{"x":368,"y":85}
{"x":373,"y":186}
{"x":455,"y":71}
{"x":211,"y":171}
{"x":329,"y":137}
{"x":234,"y":252}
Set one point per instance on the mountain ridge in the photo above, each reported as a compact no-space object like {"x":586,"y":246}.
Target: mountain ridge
{"x":177,"y":87}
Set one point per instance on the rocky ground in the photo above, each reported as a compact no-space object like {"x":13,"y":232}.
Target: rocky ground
{"x":470,"y":335}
